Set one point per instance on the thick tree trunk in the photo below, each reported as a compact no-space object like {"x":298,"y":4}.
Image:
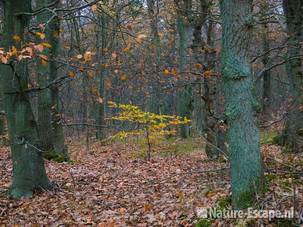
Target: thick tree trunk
{"x":28,"y":165}
{"x":243,"y":134}
{"x":293,"y":132}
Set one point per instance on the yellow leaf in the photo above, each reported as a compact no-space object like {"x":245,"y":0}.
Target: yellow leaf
{"x":88,"y":56}
{"x":71,"y":74}
{"x":47,"y":45}
{"x":174,"y":72}
{"x":40,"y":35}
{"x":17,"y":38}
{"x":13,"y":51}
{"x":123,"y":77}
{"x":166,"y":72}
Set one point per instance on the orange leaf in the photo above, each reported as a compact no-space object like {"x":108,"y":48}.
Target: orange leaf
{"x":88,"y":56}
{"x":94,"y":8}
{"x":198,"y":66}
{"x":71,"y":74}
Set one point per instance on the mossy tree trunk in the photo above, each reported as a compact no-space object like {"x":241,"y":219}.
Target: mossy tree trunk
{"x":28,"y":165}
{"x":293,"y":132}
{"x":243,"y":133}
{"x":49,"y":120}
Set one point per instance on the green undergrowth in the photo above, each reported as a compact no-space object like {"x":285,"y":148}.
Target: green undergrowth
{"x":54,"y":156}
{"x":270,"y":138}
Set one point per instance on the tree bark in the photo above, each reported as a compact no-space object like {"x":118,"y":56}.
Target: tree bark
{"x":28,"y":165}
{"x":49,"y":119}
{"x":266,"y":95}
{"x":184,"y":93}
{"x":243,"y":134}
{"x":293,"y":132}
{"x":102,"y":44}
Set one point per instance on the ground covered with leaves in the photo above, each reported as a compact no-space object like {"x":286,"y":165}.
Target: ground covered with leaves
{"x":115,"y":185}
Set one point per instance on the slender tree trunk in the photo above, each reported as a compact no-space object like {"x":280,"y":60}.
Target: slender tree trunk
{"x":2,"y":116}
{"x":28,"y":165}
{"x":243,"y":134}
{"x":293,"y":132}
{"x":49,"y":119}
{"x":184,"y":93}
{"x":212,"y":130}
{"x":102,"y":44}
{"x":155,"y":100}
{"x":266,"y":96}
{"x":199,"y":113}
{"x":44,"y":78}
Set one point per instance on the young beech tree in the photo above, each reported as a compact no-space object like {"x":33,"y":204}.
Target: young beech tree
{"x":28,"y":165}
{"x":293,"y":133}
{"x":243,"y":134}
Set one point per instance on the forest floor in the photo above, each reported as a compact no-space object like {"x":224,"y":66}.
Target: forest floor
{"x":115,"y":185}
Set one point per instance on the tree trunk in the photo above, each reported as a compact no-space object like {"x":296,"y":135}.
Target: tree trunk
{"x":102,"y":44}
{"x":49,"y":119}
{"x":293,"y":132}
{"x":184,"y":93}
{"x":266,"y":96}
{"x":44,"y":78}
{"x":28,"y":165}
{"x":155,"y":101}
{"x":243,"y":134}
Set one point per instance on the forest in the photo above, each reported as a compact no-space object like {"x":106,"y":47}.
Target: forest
{"x":151,"y":113}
